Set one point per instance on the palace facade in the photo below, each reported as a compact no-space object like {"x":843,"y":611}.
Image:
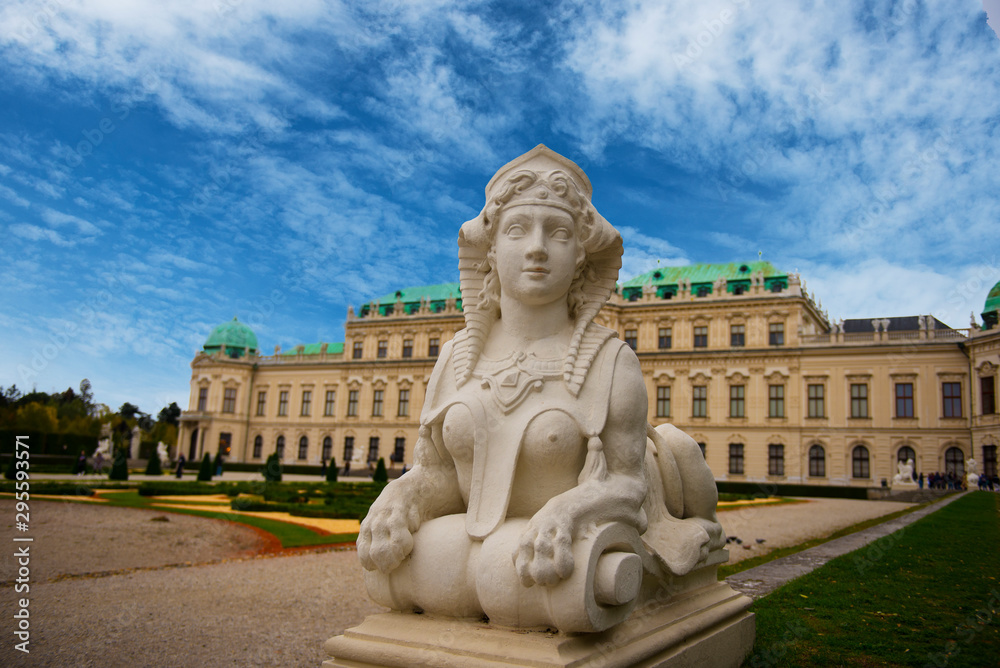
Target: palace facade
{"x":739,"y":356}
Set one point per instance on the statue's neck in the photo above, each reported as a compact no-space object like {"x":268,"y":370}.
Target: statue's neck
{"x":544,"y":330}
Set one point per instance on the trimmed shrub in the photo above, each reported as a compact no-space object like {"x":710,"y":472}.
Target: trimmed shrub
{"x":381,"y":474}
{"x":331,"y":471}
{"x":206,"y":470}
{"x":119,"y":469}
{"x":153,"y":467}
{"x":272,"y":468}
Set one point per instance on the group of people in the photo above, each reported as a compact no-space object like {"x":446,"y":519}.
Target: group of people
{"x":80,"y":468}
{"x":951,"y":480}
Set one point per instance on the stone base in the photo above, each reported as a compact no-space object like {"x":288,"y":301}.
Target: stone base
{"x":706,"y":627}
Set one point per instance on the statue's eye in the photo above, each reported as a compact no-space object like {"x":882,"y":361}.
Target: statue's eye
{"x":561,"y":234}
{"x":515,"y":231}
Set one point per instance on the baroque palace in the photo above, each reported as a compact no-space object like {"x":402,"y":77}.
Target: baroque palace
{"x":738,"y":356}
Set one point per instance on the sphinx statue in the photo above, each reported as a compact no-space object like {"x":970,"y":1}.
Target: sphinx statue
{"x":540,"y":497}
{"x":904,"y":473}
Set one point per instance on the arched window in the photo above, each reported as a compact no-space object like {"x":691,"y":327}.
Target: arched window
{"x":817,"y":461}
{"x":303,"y":447}
{"x":279,"y":447}
{"x":954,"y":461}
{"x":327,"y":448}
{"x":860,"y":462}
{"x":905,"y":453}
{"x":258,"y":446}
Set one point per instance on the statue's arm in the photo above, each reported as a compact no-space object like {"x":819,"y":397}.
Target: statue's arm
{"x":428,"y":490}
{"x":616,"y":494}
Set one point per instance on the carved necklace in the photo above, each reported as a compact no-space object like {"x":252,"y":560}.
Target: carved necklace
{"x":511,"y":379}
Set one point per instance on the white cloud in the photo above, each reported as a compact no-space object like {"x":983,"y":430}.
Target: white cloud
{"x":59,"y":219}
{"x":36,"y":233}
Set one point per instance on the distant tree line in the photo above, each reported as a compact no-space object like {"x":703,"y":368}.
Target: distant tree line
{"x":66,"y":423}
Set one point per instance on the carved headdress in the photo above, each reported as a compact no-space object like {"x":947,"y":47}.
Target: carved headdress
{"x":540,"y":176}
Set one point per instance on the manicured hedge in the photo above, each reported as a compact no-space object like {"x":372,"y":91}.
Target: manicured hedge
{"x":782,"y":489}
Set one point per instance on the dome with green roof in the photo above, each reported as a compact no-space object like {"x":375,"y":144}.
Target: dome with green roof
{"x":233,"y":337}
{"x":992,"y":307}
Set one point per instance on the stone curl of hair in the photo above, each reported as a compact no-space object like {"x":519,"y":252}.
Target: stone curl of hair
{"x":565,"y":190}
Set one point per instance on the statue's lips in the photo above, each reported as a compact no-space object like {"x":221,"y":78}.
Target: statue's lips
{"x":536,"y":271}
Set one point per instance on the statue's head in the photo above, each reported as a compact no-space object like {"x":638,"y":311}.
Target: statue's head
{"x":533,"y":183}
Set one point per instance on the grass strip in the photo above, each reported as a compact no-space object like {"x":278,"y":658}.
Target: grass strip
{"x":926,"y":595}
{"x":746,"y":564}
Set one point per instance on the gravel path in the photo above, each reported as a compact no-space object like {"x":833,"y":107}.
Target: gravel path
{"x":793,"y":523}
{"x":271,"y":611}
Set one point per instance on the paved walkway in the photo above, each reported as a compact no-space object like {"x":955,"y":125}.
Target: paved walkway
{"x":764,"y":579}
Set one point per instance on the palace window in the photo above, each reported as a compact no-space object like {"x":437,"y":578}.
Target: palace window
{"x":904,"y":400}
{"x":229,"y":400}
{"x":433,"y":347}
{"x":776,"y":401}
{"x":404,"y":403}
{"x":704,"y":447}
{"x":383,"y":349}
{"x":906,"y":453}
{"x":860,"y":462}
{"x":327,"y":448}
{"x":399,"y":450}
{"x":202,"y":399}
{"x":359,"y":349}
{"x":373,"y":449}
{"x":737,"y":403}
{"x":775,"y":459}
{"x":352,"y":403}
{"x":665,"y":338}
{"x":279,"y":447}
{"x":632,"y":338}
{"x":663,"y":401}
{"x":307,"y":397}
{"x":859,"y":400}
{"x":699,"y":403}
{"x":407,"y":347}
{"x":989,"y":460}
{"x":283,"y":403}
{"x":952,"y":397}
{"x":377,"y":402}
{"x":701,"y":336}
{"x":776,"y":334}
{"x":258,"y":446}
{"x":348,"y":448}
{"x":817,"y":408}
{"x":737,"y":336}
{"x":817,"y":461}
{"x":736,"y":458}
{"x":261,"y":403}
{"x":987,"y":389}
{"x":703,"y":290}
{"x":954,"y":461}
{"x":330,"y":403}
{"x":303,"y":447}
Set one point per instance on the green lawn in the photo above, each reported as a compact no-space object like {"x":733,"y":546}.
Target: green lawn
{"x":927,"y":595}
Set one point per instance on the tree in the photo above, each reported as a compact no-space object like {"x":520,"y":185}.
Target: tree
{"x":153,"y":467}
{"x":205,"y":472}
{"x":87,"y":395}
{"x":119,"y":469}
{"x":331,"y":471}
{"x":380,"y":475}
{"x":128,"y":411}
{"x":170,"y":414}
{"x":38,"y":418}
{"x":272,"y":468}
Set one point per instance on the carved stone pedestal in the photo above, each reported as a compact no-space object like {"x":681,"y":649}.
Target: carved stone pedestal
{"x":709,"y":626}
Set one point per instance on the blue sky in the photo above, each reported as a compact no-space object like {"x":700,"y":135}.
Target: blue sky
{"x":166,"y":166}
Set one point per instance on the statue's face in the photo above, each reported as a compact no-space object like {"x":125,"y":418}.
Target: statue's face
{"x":536,"y":252}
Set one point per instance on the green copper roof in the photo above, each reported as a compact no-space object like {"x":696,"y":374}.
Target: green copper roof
{"x":315,"y":349}
{"x":993,"y":299}
{"x":704,"y":273}
{"x":232,"y":337}
{"x":411,"y":297}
